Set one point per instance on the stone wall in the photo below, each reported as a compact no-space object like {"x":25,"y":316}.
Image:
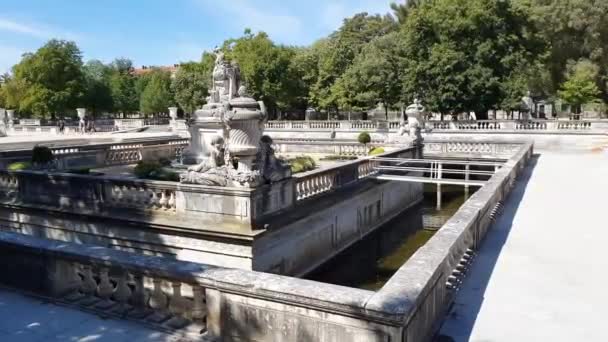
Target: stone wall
{"x":231,"y":227}
{"x":242,"y":305}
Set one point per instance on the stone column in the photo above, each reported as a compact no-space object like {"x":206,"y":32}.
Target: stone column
{"x":10,"y":113}
{"x":173,"y":113}
{"x":173,"y":116}
{"x":82,"y":112}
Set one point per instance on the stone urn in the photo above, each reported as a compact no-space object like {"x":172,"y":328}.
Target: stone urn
{"x":231,"y":124}
{"x":173,"y":113}
{"x":415,"y":121}
{"x":82,"y":112}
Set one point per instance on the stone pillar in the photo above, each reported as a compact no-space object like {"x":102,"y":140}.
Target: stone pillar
{"x":173,"y":116}
{"x":466,"y":178}
{"x":173,"y":113}
{"x":439,"y":167}
{"x":2,"y":124}
{"x":82,"y":112}
{"x":10,"y":115}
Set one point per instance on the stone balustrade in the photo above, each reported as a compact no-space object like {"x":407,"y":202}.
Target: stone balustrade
{"x":141,"y":196}
{"x":471,"y":125}
{"x":100,"y":155}
{"x":238,"y":305}
{"x":110,"y":286}
{"x":319,"y":182}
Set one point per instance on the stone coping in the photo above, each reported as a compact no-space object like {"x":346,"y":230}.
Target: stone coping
{"x":255,"y":284}
{"x":408,"y":287}
{"x":395,"y":303}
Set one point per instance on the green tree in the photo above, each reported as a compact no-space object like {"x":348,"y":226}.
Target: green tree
{"x":265,"y":67}
{"x":50,"y":81}
{"x":98,"y":93}
{"x":191,"y":83}
{"x":580,"y":86}
{"x":339,"y":52}
{"x":402,"y":10}
{"x":125,"y":98}
{"x":374,"y":76}
{"x":573,"y":30}
{"x":157,"y":95}
{"x":458,"y":53}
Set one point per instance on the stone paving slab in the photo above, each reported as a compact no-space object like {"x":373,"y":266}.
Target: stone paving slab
{"x":24,"y":319}
{"x":540,"y":275}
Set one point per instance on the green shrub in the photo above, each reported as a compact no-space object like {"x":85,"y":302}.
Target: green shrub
{"x":338,"y":157}
{"x":155,"y":171}
{"x":42,"y":155}
{"x":18,"y":166}
{"x":364,"y":138}
{"x":376,"y":151}
{"x":164,"y":162}
{"x":144,"y":169}
{"x":80,"y":171}
{"x":301,"y":164}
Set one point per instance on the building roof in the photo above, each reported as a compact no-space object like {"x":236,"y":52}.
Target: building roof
{"x":148,"y":68}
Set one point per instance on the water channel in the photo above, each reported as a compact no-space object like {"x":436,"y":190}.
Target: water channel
{"x":369,"y":263}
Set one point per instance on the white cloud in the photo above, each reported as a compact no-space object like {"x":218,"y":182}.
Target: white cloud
{"x":35,"y":30}
{"x":279,"y":25}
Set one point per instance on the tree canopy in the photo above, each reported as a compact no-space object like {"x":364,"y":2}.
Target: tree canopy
{"x":157,"y":96}
{"x":191,"y":83}
{"x":456,"y":55}
{"x":460,"y":53}
{"x":49,"y":81}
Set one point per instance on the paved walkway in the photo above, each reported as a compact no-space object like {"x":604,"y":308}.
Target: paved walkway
{"x":542,"y":272}
{"x":23,"y":319}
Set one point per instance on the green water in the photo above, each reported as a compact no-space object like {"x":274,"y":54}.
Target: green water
{"x":369,"y":263}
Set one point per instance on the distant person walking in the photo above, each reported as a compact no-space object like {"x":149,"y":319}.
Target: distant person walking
{"x":81,"y":126}
{"x":61,"y":126}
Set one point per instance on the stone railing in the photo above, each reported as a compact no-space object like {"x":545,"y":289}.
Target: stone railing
{"x":100,"y":155}
{"x":119,"y":286}
{"x":319,"y":182}
{"x":89,"y":194}
{"x":29,"y":130}
{"x":466,"y":148}
{"x":238,"y":305}
{"x":473,"y":125}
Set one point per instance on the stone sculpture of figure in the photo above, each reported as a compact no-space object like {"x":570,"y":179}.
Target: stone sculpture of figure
{"x":209,"y":172}
{"x":415,"y":121}
{"x":271,"y":168}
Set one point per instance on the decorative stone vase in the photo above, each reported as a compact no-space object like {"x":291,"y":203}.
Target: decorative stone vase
{"x":415,"y":120}
{"x":82,"y":112}
{"x":173,"y":113}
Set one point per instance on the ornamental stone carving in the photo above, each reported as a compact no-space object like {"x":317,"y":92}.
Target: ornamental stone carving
{"x":230,"y":127}
{"x":411,"y":130}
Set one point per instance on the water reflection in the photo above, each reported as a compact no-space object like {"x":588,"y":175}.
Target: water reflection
{"x":369,"y":263}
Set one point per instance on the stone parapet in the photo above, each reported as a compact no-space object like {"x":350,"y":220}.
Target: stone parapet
{"x":243,"y":305}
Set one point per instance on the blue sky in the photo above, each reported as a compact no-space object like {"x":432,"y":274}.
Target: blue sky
{"x":162,"y":32}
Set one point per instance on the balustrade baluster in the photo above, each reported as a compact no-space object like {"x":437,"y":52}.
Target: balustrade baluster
{"x":163,"y":199}
{"x":171,"y":202}
{"x":178,"y":307}
{"x":105,"y":289}
{"x":158,"y":302}
{"x":122,"y":293}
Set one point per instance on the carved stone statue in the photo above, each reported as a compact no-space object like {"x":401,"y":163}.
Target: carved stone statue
{"x":238,"y":120}
{"x":271,"y":168}
{"x":413,"y":126}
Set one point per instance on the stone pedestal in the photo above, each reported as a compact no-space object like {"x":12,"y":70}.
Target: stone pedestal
{"x":226,"y":136}
{"x":10,"y":116}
